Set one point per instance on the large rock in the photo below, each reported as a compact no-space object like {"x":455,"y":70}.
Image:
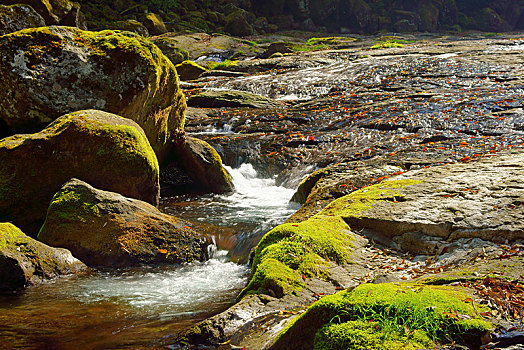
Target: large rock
{"x":202,"y":163}
{"x":189,"y":70}
{"x":110,"y":152}
{"x":231,"y":98}
{"x":25,"y":261}
{"x":16,"y":17}
{"x":154,"y":24}
{"x":482,"y":199}
{"x":61,"y":12}
{"x":57,"y":70}
{"x":106,"y":229}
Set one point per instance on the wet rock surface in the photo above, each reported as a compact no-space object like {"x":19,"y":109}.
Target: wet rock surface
{"x":25,"y":261}
{"x":442,"y":114}
{"x":107,"y":229}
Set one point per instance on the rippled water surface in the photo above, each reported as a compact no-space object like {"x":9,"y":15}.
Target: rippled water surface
{"x":145,"y":307}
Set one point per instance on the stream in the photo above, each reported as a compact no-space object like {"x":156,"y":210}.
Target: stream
{"x":144,"y":307}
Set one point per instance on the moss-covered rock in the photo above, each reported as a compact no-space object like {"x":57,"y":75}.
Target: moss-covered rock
{"x":154,"y":24}
{"x":18,"y":17}
{"x":290,"y":253}
{"x":60,"y":12}
{"x":170,"y":48}
{"x":189,"y":70}
{"x":106,"y":229}
{"x":110,"y":152}
{"x":57,"y":70}
{"x":25,"y":261}
{"x":202,"y":163}
{"x":387,"y":316}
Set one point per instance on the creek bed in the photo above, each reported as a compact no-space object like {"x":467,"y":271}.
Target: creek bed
{"x":146,"y":306}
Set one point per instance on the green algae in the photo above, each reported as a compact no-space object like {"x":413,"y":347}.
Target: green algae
{"x":387,"y":316}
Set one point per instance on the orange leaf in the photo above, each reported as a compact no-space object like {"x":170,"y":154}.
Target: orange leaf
{"x":163,"y":251}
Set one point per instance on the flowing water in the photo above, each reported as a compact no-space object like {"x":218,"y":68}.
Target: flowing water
{"x":145,"y":307}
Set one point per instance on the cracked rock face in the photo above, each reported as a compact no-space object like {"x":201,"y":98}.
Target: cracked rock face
{"x":18,"y":17}
{"x":483,"y":199}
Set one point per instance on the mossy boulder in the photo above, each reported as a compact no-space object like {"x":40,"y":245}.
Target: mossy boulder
{"x":107,"y":229}
{"x":56,"y":70}
{"x":104,"y":149}
{"x":202,"y":163}
{"x":387,"y":316}
{"x":231,"y":98}
{"x":59,"y":12}
{"x":290,"y":253}
{"x":154,"y":24}
{"x":16,"y":17}
{"x":189,"y":70}
{"x":25,"y":261}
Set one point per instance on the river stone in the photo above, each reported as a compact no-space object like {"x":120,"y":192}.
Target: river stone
{"x":154,"y":24}
{"x":202,"y":163}
{"x":231,"y":98}
{"x":189,"y":70}
{"x":107,"y":229}
{"x":61,"y":12}
{"x":482,"y":199}
{"x":25,"y":261}
{"x":108,"y":151}
{"x":57,"y":70}
{"x":17,"y":17}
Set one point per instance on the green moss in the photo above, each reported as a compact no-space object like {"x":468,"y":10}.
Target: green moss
{"x":304,"y":249}
{"x":221,"y":65}
{"x":386,"y":45}
{"x":73,"y":206}
{"x":363,"y":335}
{"x":274,"y":277}
{"x":130,"y":141}
{"x":9,"y":233}
{"x":388,"y":316}
{"x":356,"y":203}
{"x":307,"y":48}
{"x":333,"y":40}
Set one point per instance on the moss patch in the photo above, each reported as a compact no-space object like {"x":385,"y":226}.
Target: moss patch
{"x":356,"y":203}
{"x":290,"y":252}
{"x":387,"y":316}
{"x":10,"y":233}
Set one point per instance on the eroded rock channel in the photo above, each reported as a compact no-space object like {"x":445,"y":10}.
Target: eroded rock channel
{"x":372,"y":197}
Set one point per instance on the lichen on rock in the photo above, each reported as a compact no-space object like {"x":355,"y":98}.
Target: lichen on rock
{"x":57,"y":70}
{"x":18,"y":17}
